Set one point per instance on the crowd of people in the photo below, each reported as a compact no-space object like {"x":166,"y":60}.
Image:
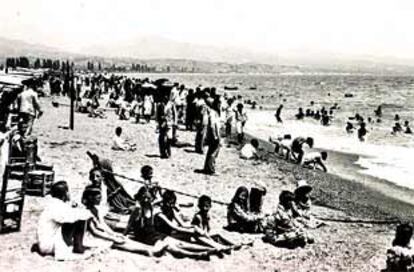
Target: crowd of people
{"x":154,"y":226}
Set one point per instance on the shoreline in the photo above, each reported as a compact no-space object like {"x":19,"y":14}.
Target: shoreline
{"x":356,"y":198}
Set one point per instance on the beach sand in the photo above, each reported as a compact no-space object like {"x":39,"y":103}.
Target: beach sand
{"x":338,"y":247}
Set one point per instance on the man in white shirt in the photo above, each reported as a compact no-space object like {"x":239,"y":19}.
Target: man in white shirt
{"x":28,"y":104}
{"x":61,"y":226}
{"x":249,"y":151}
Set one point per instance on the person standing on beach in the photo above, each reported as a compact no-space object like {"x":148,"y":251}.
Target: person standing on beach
{"x":241,"y":119}
{"x":278,"y":112}
{"x":202,"y":124}
{"x":213,"y":136}
{"x":28,"y":105}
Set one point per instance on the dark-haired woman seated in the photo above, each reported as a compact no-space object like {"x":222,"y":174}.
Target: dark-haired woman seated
{"x":239,"y":216}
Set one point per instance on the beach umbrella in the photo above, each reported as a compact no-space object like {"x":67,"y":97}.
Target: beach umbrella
{"x":160,"y":81}
{"x":147,"y":85}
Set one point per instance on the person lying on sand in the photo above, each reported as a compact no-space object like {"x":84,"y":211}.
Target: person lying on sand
{"x":202,"y":220}
{"x":315,"y":159}
{"x":250,"y":151}
{"x":154,"y":229}
{"x":286,"y":231}
{"x":61,"y":226}
{"x":121,"y":144}
{"x":400,"y":257}
{"x":302,"y":206}
{"x":239,"y":217}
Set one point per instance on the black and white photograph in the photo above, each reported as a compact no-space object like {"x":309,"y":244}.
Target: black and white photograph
{"x":206,"y":135}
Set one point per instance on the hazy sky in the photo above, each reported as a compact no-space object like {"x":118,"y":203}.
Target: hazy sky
{"x":348,"y":26}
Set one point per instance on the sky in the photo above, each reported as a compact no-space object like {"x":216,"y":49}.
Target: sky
{"x":348,"y":27}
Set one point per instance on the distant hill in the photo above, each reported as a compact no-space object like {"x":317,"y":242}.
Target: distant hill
{"x":180,"y":56}
{"x":9,"y":47}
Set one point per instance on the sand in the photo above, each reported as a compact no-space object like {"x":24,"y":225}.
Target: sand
{"x":338,"y":247}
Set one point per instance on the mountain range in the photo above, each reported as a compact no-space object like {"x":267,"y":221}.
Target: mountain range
{"x":152,"y":50}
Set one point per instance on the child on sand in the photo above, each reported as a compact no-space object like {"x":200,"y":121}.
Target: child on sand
{"x":239,"y":217}
{"x":98,"y":230}
{"x":202,"y":220}
{"x":302,"y":206}
{"x":286,"y":231}
{"x":250,"y":151}
{"x":121,"y":144}
{"x":400,"y":256}
{"x":315,"y":159}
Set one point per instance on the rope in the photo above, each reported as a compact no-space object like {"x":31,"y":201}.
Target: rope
{"x":358,"y":221}
{"x":165,"y":188}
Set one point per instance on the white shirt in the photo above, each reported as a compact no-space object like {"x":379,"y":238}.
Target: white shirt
{"x":28,"y":102}
{"x":248,"y":151}
{"x":312,"y":156}
{"x":118,"y":143}
{"x":49,"y":230}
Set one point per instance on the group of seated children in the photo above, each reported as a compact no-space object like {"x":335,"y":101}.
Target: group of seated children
{"x":155,"y":225}
{"x":287,"y":227}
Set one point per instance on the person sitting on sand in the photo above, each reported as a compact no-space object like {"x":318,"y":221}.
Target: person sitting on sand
{"x":250,"y":151}
{"x":296,"y":148}
{"x":407,"y":128}
{"x":302,"y":206}
{"x":239,"y":217}
{"x":147,"y":173}
{"x":286,"y":231}
{"x":201,"y":220}
{"x":400,"y":257}
{"x":61,"y":226}
{"x":119,"y":143}
{"x":98,"y":234}
{"x":147,"y":237}
{"x":97,"y":181}
{"x":315,"y":159}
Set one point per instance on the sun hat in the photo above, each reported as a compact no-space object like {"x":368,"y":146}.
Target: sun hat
{"x":303,"y":187}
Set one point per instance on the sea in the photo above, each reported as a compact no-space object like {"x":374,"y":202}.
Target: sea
{"x":382,"y":155}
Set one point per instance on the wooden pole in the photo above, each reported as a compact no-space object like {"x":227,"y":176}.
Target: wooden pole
{"x":72,"y":95}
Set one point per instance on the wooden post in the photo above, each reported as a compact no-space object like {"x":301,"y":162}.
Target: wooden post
{"x":72,"y":95}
